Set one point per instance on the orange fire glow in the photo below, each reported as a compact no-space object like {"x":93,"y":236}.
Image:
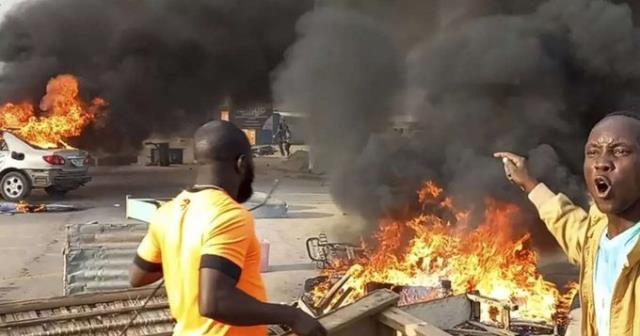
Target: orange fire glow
{"x":25,"y":207}
{"x":62,"y":114}
{"x":424,"y":250}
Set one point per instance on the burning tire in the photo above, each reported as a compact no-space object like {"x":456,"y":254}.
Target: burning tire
{"x":15,"y":186}
{"x":57,"y":192}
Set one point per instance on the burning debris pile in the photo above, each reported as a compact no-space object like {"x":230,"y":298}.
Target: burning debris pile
{"x":62,"y":114}
{"x":439,"y":253}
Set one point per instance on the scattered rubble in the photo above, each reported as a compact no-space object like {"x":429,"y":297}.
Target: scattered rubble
{"x":298,"y":161}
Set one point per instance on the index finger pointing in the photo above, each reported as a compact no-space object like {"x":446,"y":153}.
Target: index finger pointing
{"x":508,"y":155}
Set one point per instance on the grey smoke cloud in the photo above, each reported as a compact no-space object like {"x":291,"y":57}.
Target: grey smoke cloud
{"x":343,"y":72}
{"x":164,"y":65}
{"x":524,"y":76}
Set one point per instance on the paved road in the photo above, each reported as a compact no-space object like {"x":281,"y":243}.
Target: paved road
{"x":31,"y":244}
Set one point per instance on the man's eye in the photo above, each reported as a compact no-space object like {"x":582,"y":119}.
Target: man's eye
{"x":591,"y":152}
{"x":621,"y":151}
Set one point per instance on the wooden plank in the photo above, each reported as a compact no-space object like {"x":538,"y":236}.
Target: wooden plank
{"x":367,"y":307}
{"x":302,"y":305}
{"x":80,"y":315}
{"x":76,"y":300}
{"x":407,"y":324}
{"x":531,"y":324}
{"x":470,"y":332}
{"x":328,"y":298}
{"x":493,"y":330}
{"x":366,"y":326}
{"x":445,"y":313}
{"x":505,"y":308}
{"x":343,"y":296}
{"x":492,"y":302}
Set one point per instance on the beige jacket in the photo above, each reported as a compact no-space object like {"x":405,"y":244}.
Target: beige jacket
{"x":579,"y":233}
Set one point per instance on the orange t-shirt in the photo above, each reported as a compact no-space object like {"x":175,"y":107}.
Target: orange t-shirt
{"x":208,"y":222}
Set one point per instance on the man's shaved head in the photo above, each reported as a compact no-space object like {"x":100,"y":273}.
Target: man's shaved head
{"x":224,"y":154}
{"x":220,"y":141}
{"x":629,"y":114}
{"x":612,"y":163}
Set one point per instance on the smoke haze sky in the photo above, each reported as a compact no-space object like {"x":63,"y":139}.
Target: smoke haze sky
{"x":164,"y":65}
{"x":477,"y":76}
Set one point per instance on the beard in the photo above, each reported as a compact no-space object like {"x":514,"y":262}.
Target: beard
{"x":246,"y":187}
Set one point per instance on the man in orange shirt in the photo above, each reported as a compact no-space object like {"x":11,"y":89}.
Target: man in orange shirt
{"x":203,"y":243}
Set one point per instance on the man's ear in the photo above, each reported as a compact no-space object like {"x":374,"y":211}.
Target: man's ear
{"x":241,"y":164}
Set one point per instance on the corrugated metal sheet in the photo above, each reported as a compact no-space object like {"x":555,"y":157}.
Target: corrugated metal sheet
{"x":89,"y":314}
{"x":97,"y":256}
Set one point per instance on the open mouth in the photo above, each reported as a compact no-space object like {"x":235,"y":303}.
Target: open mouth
{"x":603,"y":186}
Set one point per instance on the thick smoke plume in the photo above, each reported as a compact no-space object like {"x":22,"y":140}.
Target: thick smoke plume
{"x":163,"y":65}
{"x":477,"y":77}
{"x":320,"y":81}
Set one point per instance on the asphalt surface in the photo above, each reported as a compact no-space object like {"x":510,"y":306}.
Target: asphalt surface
{"x":31,"y":245}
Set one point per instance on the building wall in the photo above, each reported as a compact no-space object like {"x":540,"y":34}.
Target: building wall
{"x":186,"y":144}
{"x":253,"y":120}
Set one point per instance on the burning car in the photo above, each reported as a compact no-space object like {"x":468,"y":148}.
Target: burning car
{"x":33,"y":153}
{"x":24,"y":167}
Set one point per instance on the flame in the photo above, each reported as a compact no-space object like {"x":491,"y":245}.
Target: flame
{"x":428,"y":248}
{"x":24,"y":207}
{"x":62,"y":114}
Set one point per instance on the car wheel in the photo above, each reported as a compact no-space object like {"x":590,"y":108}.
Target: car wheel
{"x":54,"y":191}
{"x":15,"y":186}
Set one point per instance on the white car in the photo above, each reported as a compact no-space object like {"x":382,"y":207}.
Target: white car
{"x":24,"y":167}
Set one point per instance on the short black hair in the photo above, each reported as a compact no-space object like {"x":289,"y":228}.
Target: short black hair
{"x":220,"y":141}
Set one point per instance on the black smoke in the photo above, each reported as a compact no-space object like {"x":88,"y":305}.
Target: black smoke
{"x":477,"y":77}
{"x":344,"y":74}
{"x":163,"y":65}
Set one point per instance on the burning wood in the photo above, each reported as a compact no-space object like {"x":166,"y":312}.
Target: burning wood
{"x":63,"y":114}
{"x":413,"y":294}
{"x":338,"y":293}
{"x":417,"y":254}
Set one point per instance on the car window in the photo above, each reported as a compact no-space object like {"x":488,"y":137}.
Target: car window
{"x":3,"y":146}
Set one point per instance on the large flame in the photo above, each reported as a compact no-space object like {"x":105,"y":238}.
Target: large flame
{"x":62,"y":114}
{"x":424,"y":250}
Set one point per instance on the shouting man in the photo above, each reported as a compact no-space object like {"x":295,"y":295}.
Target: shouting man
{"x":604,"y":241}
{"x":204,"y":245}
